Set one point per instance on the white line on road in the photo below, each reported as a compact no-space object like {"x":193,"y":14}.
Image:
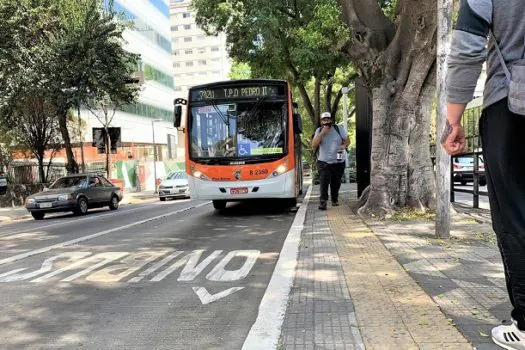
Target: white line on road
{"x":69,"y":222}
{"x":94,"y":235}
{"x":266,"y":330}
{"x":207,"y":298}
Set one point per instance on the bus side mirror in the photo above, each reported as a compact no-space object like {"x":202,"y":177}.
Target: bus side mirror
{"x":178,"y":116}
{"x":297,"y":124}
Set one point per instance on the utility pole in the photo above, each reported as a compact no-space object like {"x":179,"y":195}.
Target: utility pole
{"x":81,"y":138}
{"x":345,"y":123}
{"x":444,"y":8}
{"x":154,"y":153}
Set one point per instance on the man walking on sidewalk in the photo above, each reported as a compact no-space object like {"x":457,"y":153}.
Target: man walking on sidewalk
{"x":502,"y":131}
{"x":332,"y":143}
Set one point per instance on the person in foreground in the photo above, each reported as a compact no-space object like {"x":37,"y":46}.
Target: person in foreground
{"x":331,"y":143}
{"x":501,"y":25}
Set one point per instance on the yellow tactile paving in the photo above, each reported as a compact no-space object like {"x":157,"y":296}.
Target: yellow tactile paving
{"x":392,"y":311}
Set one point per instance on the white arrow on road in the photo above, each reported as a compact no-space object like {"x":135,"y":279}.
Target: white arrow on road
{"x":207,"y":298}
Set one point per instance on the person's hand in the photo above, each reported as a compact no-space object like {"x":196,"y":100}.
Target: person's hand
{"x":325,"y":130}
{"x":453,"y":139}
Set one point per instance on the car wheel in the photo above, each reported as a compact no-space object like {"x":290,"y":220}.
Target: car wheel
{"x":82,"y":207}
{"x":219,"y":204}
{"x":38,"y":215}
{"x":162,"y":199}
{"x":113,"y":204}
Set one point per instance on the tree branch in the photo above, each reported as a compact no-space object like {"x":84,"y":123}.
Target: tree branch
{"x":302,"y":89}
{"x":317,"y":98}
{"x":372,"y":33}
{"x":335,"y":105}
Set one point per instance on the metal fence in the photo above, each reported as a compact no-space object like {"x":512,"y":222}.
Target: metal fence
{"x":476,"y":174}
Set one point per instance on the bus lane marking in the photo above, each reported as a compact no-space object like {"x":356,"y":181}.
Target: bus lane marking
{"x":207,"y":298}
{"x":94,"y":235}
{"x":93,"y":268}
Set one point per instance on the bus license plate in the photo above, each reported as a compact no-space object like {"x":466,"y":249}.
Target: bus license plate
{"x":242,"y":190}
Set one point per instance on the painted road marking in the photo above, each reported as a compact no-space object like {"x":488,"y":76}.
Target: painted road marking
{"x":206,"y":298}
{"x":47,"y":266}
{"x":155,"y":267}
{"x":95,"y":235}
{"x":266,"y":330}
{"x":122,"y":265}
{"x":219,"y":273}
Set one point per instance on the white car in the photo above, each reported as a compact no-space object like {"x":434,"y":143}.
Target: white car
{"x":174,"y":186}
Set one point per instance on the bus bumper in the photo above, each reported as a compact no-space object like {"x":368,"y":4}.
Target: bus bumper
{"x":282,"y":186}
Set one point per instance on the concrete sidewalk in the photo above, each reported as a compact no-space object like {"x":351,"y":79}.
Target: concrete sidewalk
{"x":392,"y":284}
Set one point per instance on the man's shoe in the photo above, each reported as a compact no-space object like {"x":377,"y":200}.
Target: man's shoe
{"x":335,"y":204}
{"x":508,"y":337}
{"x":322,"y":205}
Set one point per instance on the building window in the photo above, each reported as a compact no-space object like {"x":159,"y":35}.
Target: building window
{"x":188,"y":51}
{"x":202,"y":62}
{"x":174,"y":40}
{"x":186,"y":15}
{"x":174,"y":28}
{"x":176,"y":52}
{"x":188,"y":39}
{"x":187,"y":26}
{"x":189,"y":64}
{"x":151,"y":73}
{"x":215,"y":49}
{"x":202,"y":50}
{"x":201,"y":37}
{"x":176,"y":64}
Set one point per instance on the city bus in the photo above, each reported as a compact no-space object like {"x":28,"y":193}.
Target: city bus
{"x":242,"y":141}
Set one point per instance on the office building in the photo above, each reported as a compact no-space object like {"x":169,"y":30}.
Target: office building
{"x":197,"y":58}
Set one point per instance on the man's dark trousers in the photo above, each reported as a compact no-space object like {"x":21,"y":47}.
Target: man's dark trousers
{"x":503,"y":138}
{"x":330,"y":175}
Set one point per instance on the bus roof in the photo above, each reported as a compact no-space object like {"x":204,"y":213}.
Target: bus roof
{"x":239,"y":82}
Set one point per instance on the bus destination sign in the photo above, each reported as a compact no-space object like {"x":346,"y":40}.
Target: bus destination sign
{"x":235,"y":92}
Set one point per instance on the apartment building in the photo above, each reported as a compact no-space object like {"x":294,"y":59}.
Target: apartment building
{"x":197,"y":58}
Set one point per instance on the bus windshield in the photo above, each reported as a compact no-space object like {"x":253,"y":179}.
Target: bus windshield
{"x":238,"y":130}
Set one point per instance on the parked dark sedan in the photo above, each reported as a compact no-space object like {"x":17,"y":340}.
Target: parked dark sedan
{"x":76,"y":193}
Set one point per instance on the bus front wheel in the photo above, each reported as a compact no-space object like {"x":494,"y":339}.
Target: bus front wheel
{"x":219,"y":204}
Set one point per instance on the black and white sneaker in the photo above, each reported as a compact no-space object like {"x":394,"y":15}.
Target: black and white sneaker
{"x":509,"y":337}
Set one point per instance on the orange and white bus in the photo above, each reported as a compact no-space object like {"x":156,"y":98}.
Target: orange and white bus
{"x":242,"y":141}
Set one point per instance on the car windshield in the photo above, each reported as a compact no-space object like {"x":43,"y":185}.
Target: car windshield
{"x":177,"y":175}
{"x":68,"y":182}
{"x":243,"y":129}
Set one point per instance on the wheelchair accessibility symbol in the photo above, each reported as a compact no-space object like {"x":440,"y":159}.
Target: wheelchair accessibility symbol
{"x":244,"y":149}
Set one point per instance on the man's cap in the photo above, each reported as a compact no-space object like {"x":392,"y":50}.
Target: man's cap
{"x":326,"y":115}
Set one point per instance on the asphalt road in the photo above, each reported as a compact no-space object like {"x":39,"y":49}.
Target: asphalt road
{"x":172,"y":275}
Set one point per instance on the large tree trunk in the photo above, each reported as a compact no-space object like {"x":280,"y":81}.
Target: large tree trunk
{"x":72,"y":165}
{"x":397,"y":63}
{"x":401,"y":168}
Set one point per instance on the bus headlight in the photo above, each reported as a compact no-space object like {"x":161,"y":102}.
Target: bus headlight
{"x":200,"y":175}
{"x":281,"y":169}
